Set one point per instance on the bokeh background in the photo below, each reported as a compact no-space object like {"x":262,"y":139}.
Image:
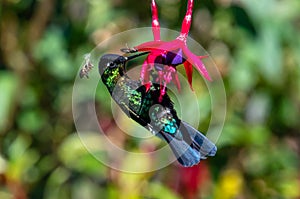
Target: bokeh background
{"x":254,"y":43}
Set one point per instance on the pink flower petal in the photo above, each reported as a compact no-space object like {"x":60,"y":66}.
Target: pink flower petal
{"x":196,"y":62}
{"x":150,"y":45}
{"x":189,"y":72}
{"x":145,"y":72}
{"x":171,"y":45}
{"x":176,"y":80}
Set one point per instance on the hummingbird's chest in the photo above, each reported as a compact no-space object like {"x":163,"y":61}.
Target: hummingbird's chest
{"x":132,"y":97}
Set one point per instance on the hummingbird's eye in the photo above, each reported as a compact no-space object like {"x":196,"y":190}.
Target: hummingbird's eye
{"x":111,"y":64}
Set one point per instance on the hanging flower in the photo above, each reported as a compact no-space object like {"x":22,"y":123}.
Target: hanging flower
{"x":165,"y":56}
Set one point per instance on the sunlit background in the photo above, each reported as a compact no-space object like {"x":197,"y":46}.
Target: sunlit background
{"x":254,"y":43}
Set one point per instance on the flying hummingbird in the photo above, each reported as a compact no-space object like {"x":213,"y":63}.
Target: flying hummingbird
{"x":158,"y":116}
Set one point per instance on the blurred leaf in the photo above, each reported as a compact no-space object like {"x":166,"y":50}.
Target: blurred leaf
{"x":131,"y":184}
{"x":21,"y":159}
{"x":290,"y":188}
{"x":55,"y":187}
{"x":230,"y":135}
{"x":275,"y":164}
{"x":242,"y":135}
{"x":258,"y":136}
{"x":74,"y":154}
{"x":112,"y":192}
{"x":18,"y":147}
{"x":30,"y":97}
{"x":8,"y":87}
{"x":85,"y":189}
{"x":3,"y":164}
{"x":99,"y":14}
{"x":271,"y":53}
{"x":159,"y":191}
{"x":46,"y":164}
{"x":5,"y":195}
{"x":136,"y":163}
{"x":243,"y":72}
{"x":32,"y":120}
{"x":52,"y":52}
{"x":256,"y":163}
{"x":288,"y":112}
{"x":63,"y":100}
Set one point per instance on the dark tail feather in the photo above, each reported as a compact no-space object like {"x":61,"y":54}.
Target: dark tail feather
{"x":207,"y":148}
{"x":189,"y":154}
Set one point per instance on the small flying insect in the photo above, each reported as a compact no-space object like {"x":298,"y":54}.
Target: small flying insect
{"x":86,"y":67}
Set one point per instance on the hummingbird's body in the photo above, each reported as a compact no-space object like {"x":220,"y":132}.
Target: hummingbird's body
{"x":158,"y":116}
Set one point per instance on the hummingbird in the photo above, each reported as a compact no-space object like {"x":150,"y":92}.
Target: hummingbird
{"x":145,"y":106}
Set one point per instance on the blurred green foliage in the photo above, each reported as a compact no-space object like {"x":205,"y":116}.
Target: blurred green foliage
{"x":256,"y":46}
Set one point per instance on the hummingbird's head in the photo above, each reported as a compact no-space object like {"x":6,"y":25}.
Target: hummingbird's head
{"x":111,"y":62}
{"x":114,"y":61}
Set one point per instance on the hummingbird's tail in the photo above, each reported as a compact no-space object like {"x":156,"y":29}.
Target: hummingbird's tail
{"x":189,"y":154}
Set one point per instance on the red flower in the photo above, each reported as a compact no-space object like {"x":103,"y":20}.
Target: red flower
{"x":164,"y":56}
{"x":190,"y":182}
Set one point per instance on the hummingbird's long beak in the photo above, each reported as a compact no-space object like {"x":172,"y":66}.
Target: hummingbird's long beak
{"x":136,"y":55}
